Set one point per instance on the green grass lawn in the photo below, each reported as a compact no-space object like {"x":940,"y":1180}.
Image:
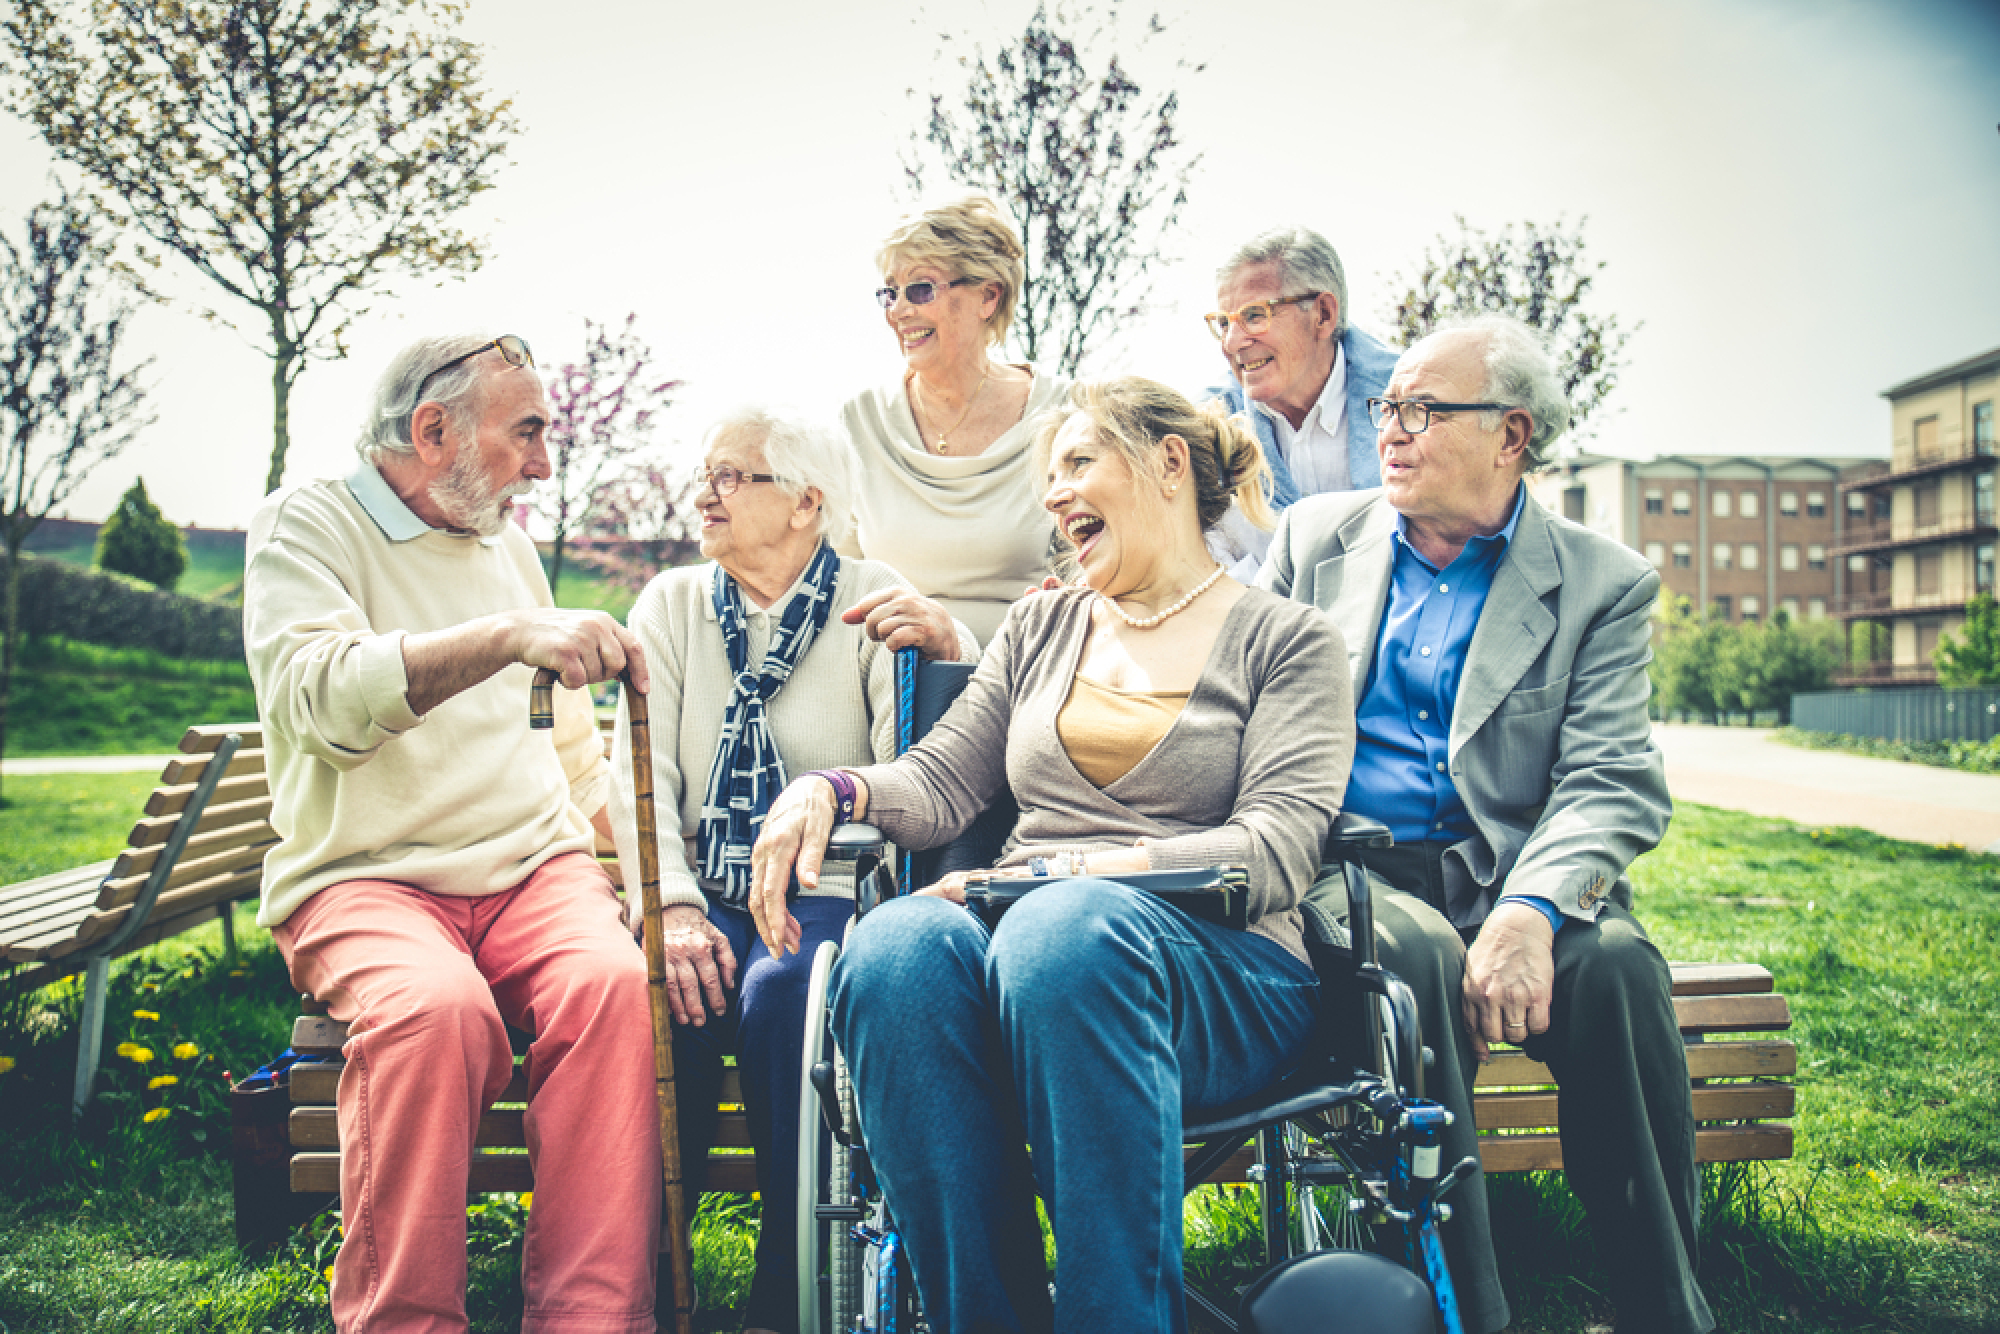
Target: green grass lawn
{"x":79,"y":699}
{"x":1888,"y":1218}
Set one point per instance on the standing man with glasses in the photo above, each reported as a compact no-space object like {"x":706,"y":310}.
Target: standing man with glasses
{"x":435,"y":880}
{"x":1499,"y":661}
{"x":1300,"y":371}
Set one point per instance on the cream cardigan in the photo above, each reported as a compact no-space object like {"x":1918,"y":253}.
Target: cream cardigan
{"x":970,"y":532}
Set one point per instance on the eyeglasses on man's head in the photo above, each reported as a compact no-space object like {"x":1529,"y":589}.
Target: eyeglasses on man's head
{"x":1416,"y":413}
{"x":726,"y":480}
{"x":920,"y":294}
{"x":1255,"y":317}
{"x":512,"y":348}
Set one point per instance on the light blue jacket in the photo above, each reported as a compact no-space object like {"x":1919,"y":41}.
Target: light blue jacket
{"x":1369,"y":364}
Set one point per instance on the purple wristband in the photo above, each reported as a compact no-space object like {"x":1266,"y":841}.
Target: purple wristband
{"x":843,"y":792}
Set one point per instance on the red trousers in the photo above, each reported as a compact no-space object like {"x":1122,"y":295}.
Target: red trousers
{"x":427,"y":984}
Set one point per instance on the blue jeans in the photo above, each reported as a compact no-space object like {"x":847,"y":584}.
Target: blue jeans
{"x":1081,"y":1027}
{"x":765,"y":1028}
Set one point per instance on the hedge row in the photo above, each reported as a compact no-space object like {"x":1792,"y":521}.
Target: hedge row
{"x":58,"y":598}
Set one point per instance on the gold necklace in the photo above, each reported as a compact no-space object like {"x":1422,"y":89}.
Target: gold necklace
{"x":944,"y":445}
{"x":1187,"y":599}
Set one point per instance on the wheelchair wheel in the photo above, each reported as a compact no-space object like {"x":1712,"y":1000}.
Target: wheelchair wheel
{"x":830,"y":1261}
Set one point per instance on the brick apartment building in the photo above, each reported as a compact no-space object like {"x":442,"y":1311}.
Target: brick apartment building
{"x":1921,"y":540}
{"x":1743,"y":536}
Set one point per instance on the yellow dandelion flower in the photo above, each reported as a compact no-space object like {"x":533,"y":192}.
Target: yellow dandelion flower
{"x":140,"y":1055}
{"x":157,"y":1114}
{"x":186,"y":1051}
{"x":329,"y":1274}
{"x":162,"y":1081}
{"x":756,"y":1195}
{"x":146,"y":1014}
{"x":527,"y":1199}
{"x":6,"y":1064}
{"x":125,"y":1049}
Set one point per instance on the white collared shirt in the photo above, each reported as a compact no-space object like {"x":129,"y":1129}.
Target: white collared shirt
{"x":1316,"y":454}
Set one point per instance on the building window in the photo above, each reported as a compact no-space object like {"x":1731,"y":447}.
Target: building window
{"x":1752,"y":611}
{"x":1748,"y":556}
{"x":1573,"y":503}
{"x":1719,"y":608}
{"x":1656,"y":553}
{"x":1683,"y":502}
{"x":1788,"y":557}
{"x":1982,"y":568}
{"x":1884,"y":504}
{"x":1815,"y":504}
{"x":1718,"y":502}
{"x":1683,"y":556}
{"x":1789,"y":606}
{"x":1747,"y":505}
{"x":1929,"y":447}
{"x":1788,"y":504}
{"x":1816,"y":558}
{"x":1982,"y":499}
{"x":1723,"y":554}
{"x":1927,"y":500}
{"x":1982,"y":427}
{"x":1815,"y":609}
{"x":1928,"y":631}
{"x":1930,"y":573}
{"x":1857,"y":504}
{"x":1856,"y":565}
{"x":1656,"y":502}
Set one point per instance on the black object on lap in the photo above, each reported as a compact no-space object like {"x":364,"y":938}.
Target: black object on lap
{"x":1219,"y":894}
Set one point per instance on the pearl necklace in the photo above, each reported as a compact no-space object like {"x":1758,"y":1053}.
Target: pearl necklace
{"x":1187,"y":598}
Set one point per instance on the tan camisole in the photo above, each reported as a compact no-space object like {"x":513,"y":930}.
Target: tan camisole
{"x":1106,"y":732}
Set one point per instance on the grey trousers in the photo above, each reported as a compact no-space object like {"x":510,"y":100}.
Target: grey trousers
{"x":1615,"y":1049}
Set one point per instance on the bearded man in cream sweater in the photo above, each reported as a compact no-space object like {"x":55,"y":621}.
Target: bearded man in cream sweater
{"x":435,"y":881}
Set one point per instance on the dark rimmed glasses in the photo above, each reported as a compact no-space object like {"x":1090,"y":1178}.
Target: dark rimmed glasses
{"x":1415,"y":413}
{"x":920,"y":294}
{"x":726,"y":480}
{"x":1255,"y":317}
{"x":513,"y":349}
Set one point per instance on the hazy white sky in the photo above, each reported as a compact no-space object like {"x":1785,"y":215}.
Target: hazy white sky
{"x":1799,"y":198}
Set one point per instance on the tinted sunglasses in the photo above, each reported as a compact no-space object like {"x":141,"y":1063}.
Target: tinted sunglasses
{"x":919,"y":294}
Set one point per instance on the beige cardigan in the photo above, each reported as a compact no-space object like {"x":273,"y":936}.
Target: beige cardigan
{"x":1251,"y":773}
{"x":970,"y":532}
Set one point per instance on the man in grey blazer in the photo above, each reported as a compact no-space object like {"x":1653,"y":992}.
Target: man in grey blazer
{"x":1299,"y":371}
{"x":1499,"y":660}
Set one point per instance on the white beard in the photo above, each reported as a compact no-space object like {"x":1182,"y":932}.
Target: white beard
{"x":468,"y":498}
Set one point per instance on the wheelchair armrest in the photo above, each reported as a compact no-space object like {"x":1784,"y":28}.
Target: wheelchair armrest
{"x":1351,"y":832}
{"x":852,"y":842}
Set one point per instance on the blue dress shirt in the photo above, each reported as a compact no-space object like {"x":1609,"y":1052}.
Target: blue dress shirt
{"x":1402,"y":771}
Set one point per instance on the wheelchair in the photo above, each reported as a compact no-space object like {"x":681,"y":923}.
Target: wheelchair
{"x":1348,"y":1170}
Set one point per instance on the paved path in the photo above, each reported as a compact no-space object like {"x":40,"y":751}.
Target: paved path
{"x":89,"y":764}
{"x":1744,"y":769}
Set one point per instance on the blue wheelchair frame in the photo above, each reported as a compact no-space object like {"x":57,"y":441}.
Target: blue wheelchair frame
{"x":1365,"y":1122}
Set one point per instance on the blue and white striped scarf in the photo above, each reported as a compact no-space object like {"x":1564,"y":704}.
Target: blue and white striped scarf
{"x":748,"y":772}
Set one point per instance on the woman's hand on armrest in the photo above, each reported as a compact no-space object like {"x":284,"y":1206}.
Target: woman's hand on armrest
{"x":793,"y":840}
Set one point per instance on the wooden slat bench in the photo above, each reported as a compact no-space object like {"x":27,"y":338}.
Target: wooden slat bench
{"x":1738,"y":1099}
{"x":198,"y":849}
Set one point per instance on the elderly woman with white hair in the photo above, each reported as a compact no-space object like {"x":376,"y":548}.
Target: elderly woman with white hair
{"x":947,"y":497}
{"x":772,"y":660}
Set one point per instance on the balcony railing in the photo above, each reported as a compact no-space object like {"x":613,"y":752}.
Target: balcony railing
{"x":1886,"y":604}
{"x":1982,"y":451}
{"x":1883,"y":536}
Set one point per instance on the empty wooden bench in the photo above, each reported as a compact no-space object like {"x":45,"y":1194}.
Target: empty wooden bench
{"x":1740,"y":1101}
{"x":197,"y":850}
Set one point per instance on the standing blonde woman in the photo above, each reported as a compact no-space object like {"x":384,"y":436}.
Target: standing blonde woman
{"x":1156,"y":716}
{"x":945,"y":493}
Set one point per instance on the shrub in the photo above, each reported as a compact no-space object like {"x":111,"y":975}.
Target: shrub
{"x":137,"y":540}
{"x":116,"y":612}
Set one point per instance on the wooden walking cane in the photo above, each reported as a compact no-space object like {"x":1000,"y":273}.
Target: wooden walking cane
{"x":541,"y":714}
